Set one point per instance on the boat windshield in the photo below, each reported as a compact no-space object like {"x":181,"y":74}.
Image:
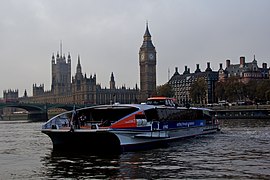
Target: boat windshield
{"x":102,"y":115}
{"x":106,"y":113}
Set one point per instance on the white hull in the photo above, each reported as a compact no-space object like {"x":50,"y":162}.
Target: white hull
{"x":133,"y":138}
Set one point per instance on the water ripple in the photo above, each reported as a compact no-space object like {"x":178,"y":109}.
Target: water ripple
{"x":240,"y":151}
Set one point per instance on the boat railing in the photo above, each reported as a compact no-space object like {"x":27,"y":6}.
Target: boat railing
{"x":62,"y":122}
{"x":57,"y":123}
{"x":157,"y":131}
{"x":155,"y":125}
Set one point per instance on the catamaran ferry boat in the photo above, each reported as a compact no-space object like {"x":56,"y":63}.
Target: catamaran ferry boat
{"x":128,"y":127}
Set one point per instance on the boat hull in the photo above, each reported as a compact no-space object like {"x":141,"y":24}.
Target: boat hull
{"x":84,"y":141}
{"x":117,"y":141}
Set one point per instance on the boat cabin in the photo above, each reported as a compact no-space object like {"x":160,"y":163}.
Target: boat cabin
{"x":130,"y":116}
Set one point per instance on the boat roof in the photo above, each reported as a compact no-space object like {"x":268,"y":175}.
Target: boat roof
{"x":119,"y":106}
{"x":142,"y":107}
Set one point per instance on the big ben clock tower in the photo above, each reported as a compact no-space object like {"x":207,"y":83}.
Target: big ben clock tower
{"x":148,"y":62}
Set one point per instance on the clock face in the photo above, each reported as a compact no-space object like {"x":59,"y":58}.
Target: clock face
{"x":151,"y":56}
{"x":142,"y":56}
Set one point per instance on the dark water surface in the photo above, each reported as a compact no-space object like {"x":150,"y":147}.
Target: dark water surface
{"x":240,"y":151}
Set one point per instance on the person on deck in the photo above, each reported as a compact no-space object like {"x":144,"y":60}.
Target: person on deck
{"x":77,"y":122}
{"x":82,"y":119}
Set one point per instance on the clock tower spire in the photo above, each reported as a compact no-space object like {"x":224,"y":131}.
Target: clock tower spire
{"x":147,"y":61}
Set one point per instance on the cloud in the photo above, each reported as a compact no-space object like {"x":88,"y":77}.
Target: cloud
{"x":108,"y":34}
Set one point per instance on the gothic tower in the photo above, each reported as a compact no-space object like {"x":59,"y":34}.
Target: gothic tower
{"x":79,"y":75}
{"x":61,"y":73}
{"x":112,"y":82}
{"x":147,"y":61}
{"x":78,"y":79}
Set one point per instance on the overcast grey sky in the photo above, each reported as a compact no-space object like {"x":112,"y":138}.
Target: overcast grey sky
{"x":107,"y":34}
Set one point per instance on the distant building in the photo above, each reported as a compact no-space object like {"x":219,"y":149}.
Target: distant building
{"x":61,"y":74}
{"x":10,"y":96}
{"x":86,"y":90}
{"x":79,"y":89}
{"x":246,"y":71}
{"x":181,"y":83}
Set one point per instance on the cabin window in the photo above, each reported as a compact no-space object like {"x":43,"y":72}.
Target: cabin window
{"x":173,"y":114}
{"x":140,"y":116}
{"x":155,"y":102}
{"x":151,"y":115}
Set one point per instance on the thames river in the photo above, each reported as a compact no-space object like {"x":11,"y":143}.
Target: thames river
{"x":240,"y":151}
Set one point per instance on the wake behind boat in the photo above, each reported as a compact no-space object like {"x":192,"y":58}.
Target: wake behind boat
{"x":127,"y":127}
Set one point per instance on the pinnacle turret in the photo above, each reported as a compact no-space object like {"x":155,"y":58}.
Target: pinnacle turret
{"x":147,"y":42}
{"x":147,"y":33}
{"x":79,"y":67}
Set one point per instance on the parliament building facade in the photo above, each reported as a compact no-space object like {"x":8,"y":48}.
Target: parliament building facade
{"x":81,"y":89}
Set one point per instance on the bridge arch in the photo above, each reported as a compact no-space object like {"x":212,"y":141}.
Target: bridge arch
{"x":26,"y":107}
{"x":35,"y":112}
{"x":39,"y":112}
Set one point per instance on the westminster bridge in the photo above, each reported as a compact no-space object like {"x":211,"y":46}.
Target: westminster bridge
{"x":39,"y":111}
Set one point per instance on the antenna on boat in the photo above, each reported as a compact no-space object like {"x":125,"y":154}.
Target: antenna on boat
{"x":72,"y":118}
{"x":168,"y":74}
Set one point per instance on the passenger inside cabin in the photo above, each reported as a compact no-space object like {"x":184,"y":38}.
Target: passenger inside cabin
{"x":69,"y":119}
{"x":82,"y":119}
{"x":76,"y":120}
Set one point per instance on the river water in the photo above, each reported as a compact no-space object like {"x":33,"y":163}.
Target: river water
{"x":240,"y":151}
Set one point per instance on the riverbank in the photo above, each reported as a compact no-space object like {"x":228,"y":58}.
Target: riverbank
{"x":24,"y":116}
{"x":243,"y":112}
{"x":14,"y":117}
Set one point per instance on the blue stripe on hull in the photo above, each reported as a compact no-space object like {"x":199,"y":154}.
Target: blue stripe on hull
{"x":164,"y":125}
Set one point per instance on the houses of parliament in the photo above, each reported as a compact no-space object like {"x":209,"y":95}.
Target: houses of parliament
{"x":80,"y":89}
